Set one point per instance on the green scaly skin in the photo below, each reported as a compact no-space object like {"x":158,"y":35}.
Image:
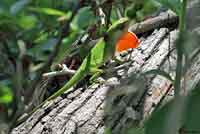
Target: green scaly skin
{"x":93,"y":61}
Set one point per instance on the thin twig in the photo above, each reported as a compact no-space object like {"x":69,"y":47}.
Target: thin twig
{"x":64,"y":71}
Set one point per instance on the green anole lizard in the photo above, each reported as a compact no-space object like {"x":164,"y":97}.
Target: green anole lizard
{"x":99,"y":54}
{"x":95,"y":58}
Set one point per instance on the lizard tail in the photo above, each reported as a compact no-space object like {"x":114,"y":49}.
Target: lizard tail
{"x":79,"y":75}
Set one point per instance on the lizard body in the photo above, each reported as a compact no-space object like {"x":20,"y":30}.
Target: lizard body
{"x":99,"y":54}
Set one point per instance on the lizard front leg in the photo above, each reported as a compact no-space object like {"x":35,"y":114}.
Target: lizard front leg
{"x":96,"y":72}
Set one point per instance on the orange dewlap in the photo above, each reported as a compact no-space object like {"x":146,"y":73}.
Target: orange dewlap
{"x":126,"y":41}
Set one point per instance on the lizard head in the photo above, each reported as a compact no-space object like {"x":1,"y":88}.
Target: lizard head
{"x":123,"y":39}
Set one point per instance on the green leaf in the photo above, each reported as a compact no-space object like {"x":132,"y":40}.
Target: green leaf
{"x":7,"y":3}
{"x":83,"y":19}
{"x":27,"y":22}
{"x":48,"y":11}
{"x":156,"y":123}
{"x":168,"y":119}
{"x":6,"y":95}
{"x":140,"y":16}
{"x":180,"y":113}
{"x":65,"y":47}
{"x":159,"y":72}
{"x":70,"y":4}
{"x":192,"y":117}
{"x":42,"y":49}
{"x":117,"y":24}
{"x":19,"y":5}
{"x":107,"y":131}
{"x":131,"y":11}
{"x":174,"y":5}
{"x":49,"y":44}
{"x":8,"y":22}
{"x":135,"y":130}
{"x":150,"y":7}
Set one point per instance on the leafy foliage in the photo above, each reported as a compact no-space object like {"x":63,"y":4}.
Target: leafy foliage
{"x":30,"y":30}
{"x":84,"y":18}
{"x":6,"y":95}
{"x":191,"y":122}
{"x":174,"y":5}
{"x":180,"y":114}
{"x":177,"y":115}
